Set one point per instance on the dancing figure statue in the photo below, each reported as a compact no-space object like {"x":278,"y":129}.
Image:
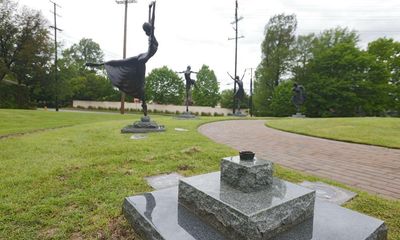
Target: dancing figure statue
{"x":189,"y":83}
{"x":128,"y":75}
{"x":239,"y":94}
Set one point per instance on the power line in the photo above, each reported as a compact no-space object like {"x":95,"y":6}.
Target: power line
{"x":125,"y":2}
{"x":235,"y":22}
{"x":55,"y":6}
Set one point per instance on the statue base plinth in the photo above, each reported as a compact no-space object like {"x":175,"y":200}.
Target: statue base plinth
{"x":145,"y":125}
{"x":237,"y":114}
{"x":298,"y":115}
{"x":186,"y":115}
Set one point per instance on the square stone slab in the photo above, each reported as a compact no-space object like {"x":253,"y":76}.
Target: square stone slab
{"x":247,"y":176}
{"x":158,"y":215}
{"x":329,"y":193}
{"x":239,"y":215}
{"x":164,"y":181}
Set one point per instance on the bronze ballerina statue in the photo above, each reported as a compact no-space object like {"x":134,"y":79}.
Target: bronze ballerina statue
{"x":189,"y":83}
{"x":128,"y":75}
{"x":239,"y":94}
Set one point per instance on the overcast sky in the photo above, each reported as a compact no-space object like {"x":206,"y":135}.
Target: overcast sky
{"x":196,"y":32}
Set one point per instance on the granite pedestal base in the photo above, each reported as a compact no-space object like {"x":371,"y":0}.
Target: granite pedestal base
{"x":247,"y":176}
{"x":298,"y":115}
{"x":186,"y":115}
{"x":158,"y":215}
{"x":145,"y":125}
{"x":237,"y":114}
{"x":252,"y":216}
{"x":244,"y":202}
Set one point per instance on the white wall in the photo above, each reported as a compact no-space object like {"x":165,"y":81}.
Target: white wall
{"x":158,"y":107}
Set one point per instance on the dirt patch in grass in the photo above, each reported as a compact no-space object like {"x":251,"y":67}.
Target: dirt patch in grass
{"x":120,"y":229}
{"x":48,"y":233}
{"x":191,"y":150}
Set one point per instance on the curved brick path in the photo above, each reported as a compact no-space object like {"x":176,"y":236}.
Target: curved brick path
{"x":374,"y":169}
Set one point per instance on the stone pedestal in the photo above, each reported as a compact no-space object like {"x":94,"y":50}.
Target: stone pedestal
{"x":238,"y":114}
{"x":158,"y":215}
{"x":240,"y":215}
{"x":244,"y":202}
{"x":246,"y":176}
{"x":145,"y":125}
{"x":298,"y":115}
{"x":186,"y":115}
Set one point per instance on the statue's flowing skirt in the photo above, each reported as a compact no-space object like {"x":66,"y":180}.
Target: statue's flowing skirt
{"x":128,"y":75}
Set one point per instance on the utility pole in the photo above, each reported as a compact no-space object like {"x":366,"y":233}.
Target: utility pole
{"x":251,"y":92}
{"x":126,"y":2}
{"x":55,"y":5}
{"x":236,"y":43}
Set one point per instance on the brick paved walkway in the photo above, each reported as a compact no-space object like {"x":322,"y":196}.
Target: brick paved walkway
{"x":374,"y":169}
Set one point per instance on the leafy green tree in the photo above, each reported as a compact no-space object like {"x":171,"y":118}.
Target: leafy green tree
{"x":387,"y":52}
{"x":303,"y":53}
{"x":164,"y":86}
{"x":206,"y":91}
{"x":277,"y":55}
{"x":281,"y":104}
{"x":78,"y":82}
{"x":93,"y":87}
{"x":332,"y":37}
{"x":25,"y":47}
{"x":85,"y":51}
{"x":226,"y":99}
{"x":345,"y":81}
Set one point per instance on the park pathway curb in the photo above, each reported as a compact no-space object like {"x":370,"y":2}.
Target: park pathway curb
{"x":371,"y":168}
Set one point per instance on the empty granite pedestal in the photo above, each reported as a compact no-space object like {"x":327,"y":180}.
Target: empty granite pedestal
{"x":244,"y":201}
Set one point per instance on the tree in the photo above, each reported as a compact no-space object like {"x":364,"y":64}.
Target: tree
{"x":206,"y":91}
{"x":281,"y":104}
{"x":25,"y":48}
{"x":303,"y":53}
{"x":85,"y":51}
{"x":277,"y":54}
{"x":345,"y":81}
{"x":340,"y":79}
{"x":78,"y":82}
{"x":226,"y":99}
{"x":332,"y":37}
{"x":387,"y":52}
{"x":164,"y":86}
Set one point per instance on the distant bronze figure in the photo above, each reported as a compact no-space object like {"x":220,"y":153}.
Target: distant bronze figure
{"x":299,"y":96}
{"x":189,"y":83}
{"x":128,"y":75}
{"x":239,"y":94}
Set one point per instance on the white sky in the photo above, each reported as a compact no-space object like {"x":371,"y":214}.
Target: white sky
{"x":196,"y":32}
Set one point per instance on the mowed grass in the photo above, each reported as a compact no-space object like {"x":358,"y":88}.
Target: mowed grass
{"x":69,"y":183}
{"x":368,"y":130}
{"x":22,"y":121}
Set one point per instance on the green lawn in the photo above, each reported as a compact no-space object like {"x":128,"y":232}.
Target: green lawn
{"x":69,"y":183}
{"x":368,"y":130}
{"x":20,"y":121}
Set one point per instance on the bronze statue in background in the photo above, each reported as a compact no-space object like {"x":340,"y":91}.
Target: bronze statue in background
{"x":299,"y":96}
{"x":239,"y":94}
{"x":189,"y":83}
